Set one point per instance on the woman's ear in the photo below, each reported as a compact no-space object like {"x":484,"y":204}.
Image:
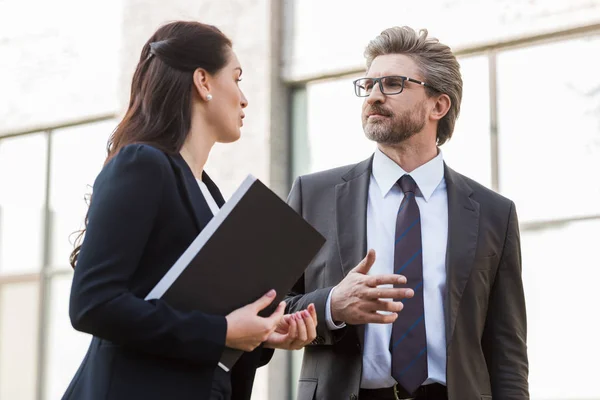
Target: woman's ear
{"x":202,"y":84}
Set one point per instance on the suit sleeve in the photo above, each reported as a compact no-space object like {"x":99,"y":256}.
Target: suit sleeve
{"x":298,"y":299}
{"x":125,"y":203}
{"x":504,"y":338}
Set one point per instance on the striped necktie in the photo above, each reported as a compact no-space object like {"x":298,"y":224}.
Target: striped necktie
{"x":409,"y":340}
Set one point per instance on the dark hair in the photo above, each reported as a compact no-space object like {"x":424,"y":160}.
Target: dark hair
{"x":159,"y":111}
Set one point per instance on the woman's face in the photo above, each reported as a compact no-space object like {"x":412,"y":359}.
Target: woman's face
{"x":226,"y":108}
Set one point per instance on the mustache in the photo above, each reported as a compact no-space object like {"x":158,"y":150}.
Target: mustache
{"x":375,"y":109}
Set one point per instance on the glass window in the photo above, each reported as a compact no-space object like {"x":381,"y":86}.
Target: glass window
{"x":22,"y":198}
{"x":560,"y":275}
{"x":19,"y":303}
{"x":65,"y":347}
{"x":301,"y":163}
{"x":334,"y":134}
{"x":468,"y":151}
{"x":77,"y":156}
{"x":549,"y":128}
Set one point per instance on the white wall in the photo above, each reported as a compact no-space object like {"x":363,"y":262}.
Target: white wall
{"x":58,"y":61}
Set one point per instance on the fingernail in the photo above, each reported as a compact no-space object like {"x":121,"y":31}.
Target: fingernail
{"x":306,"y":314}
{"x":410,"y":293}
{"x":271,"y":293}
{"x":402,"y":280}
{"x":298,"y":316}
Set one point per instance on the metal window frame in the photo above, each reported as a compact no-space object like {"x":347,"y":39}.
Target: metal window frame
{"x":46,"y":273}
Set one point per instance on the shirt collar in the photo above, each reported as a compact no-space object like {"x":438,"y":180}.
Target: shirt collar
{"x":428,"y":176}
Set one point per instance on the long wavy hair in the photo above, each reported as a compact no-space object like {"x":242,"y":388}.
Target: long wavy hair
{"x":159,"y":111}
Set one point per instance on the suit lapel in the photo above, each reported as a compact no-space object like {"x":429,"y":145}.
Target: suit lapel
{"x":351,"y":219}
{"x":463,"y":230}
{"x":196,"y":202}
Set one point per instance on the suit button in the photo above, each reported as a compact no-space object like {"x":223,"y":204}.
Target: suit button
{"x":353,"y":396}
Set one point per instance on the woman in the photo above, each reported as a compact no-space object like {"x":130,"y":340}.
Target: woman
{"x":150,"y":201}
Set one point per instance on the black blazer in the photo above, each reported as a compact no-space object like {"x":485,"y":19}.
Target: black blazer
{"x":146,"y":209}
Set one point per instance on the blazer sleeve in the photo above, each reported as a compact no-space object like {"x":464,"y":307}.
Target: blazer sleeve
{"x":298,"y":299}
{"x":125,"y":203}
{"x":504,"y":338}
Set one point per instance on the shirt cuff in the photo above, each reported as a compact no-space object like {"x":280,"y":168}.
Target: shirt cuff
{"x":330,"y":324}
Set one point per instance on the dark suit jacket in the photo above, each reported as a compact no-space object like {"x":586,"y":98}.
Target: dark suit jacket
{"x":146,"y":209}
{"x":484,"y":307}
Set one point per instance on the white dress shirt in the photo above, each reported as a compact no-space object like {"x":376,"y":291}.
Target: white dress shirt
{"x":212,"y":204}
{"x":384,"y":200}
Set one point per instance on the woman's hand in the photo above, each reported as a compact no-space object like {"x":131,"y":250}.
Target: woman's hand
{"x":294,"y":331}
{"x":246,"y":330}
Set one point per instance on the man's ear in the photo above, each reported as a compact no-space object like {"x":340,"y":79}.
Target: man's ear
{"x":441,"y":107}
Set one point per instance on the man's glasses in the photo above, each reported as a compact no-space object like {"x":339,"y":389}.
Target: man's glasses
{"x":389,"y":85}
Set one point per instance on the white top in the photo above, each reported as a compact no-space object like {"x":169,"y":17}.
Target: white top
{"x":212,"y":204}
{"x":384,"y":200}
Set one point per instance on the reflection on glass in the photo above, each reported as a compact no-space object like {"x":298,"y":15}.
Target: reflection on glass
{"x":18,"y":340}
{"x":77,"y":156}
{"x":22,"y":192}
{"x":549,"y":128}
{"x":561,"y":275}
{"x":468,"y":151}
{"x":65,"y":347}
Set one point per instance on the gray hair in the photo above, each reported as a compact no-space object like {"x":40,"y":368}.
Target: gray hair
{"x":435,"y":60}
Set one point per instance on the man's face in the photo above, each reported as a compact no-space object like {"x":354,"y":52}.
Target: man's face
{"x":392,"y":119}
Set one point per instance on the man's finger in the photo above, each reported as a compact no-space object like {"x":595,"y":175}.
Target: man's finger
{"x":389,"y":293}
{"x":365,"y":265}
{"x":375,"y":318}
{"x":388,"y":279}
{"x":383,"y":305}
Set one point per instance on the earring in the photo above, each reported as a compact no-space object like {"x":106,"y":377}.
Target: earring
{"x":209,"y":97}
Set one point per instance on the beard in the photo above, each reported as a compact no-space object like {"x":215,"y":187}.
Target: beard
{"x":394,"y":128}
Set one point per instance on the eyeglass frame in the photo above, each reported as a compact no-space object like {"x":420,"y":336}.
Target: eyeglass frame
{"x":378,"y":81}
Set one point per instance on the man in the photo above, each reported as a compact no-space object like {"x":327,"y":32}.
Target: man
{"x":446,"y":250}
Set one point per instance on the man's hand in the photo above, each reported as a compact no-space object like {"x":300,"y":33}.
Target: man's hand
{"x":357,"y":298}
{"x":294,"y":331}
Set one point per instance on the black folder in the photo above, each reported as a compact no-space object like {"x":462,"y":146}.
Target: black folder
{"x":255,"y":243}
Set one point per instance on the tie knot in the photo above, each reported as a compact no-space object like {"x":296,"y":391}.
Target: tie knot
{"x":408,"y":184}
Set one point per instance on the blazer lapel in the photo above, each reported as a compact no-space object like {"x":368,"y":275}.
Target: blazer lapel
{"x":196,"y":202}
{"x":351,"y":219}
{"x":463,"y":230}
{"x":213,"y":189}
